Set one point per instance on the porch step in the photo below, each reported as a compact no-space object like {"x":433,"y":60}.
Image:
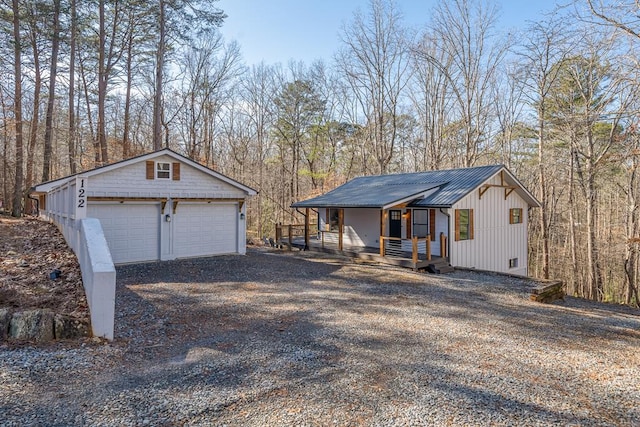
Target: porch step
{"x":440,"y":266}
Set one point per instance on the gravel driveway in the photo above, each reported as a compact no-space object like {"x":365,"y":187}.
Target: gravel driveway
{"x":301,"y":339}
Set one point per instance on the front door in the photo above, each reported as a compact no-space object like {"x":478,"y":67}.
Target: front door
{"x":395,"y":227}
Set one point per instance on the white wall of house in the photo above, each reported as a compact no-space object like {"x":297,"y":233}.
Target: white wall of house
{"x":130,"y":181}
{"x":361,"y":227}
{"x":136,"y":227}
{"x":495,"y":241}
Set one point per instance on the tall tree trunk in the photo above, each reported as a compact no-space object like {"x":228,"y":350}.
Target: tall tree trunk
{"x":72,"y":77}
{"x":544,"y":229}
{"x":593,"y":255}
{"x":127,"y":101}
{"x":53,"y":71}
{"x":35,"y":115}
{"x":5,"y":152}
{"x":572,"y":230}
{"x":157,"y":97}
{"x":89,"y":115}
{"x":101,"y":144}
{"x":19,"y":180}
{"x":593,"y":265}
{"x":632,"y":249}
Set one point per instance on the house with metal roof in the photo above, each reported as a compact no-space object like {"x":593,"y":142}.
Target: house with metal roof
{"x":472,"y":217}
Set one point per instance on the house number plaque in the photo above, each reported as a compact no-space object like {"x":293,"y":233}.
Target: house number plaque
{"x":81,"y":197}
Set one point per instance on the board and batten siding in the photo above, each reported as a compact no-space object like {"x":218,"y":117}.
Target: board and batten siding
{"x":495,"y":241}
{"x":131,"y":181}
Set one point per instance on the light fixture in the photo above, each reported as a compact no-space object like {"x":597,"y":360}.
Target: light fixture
{"x":242,"y":216}
{"x":167,"y":218}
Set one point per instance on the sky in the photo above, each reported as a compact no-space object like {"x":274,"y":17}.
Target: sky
{"x":305,"y":30}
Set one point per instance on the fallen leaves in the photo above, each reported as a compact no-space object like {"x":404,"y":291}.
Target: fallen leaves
{"x":30,"y":250}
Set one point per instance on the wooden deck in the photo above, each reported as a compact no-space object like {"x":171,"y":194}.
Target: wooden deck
{"x":365,"y":253}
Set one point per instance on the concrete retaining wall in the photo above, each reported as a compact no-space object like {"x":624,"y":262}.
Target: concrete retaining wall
{"x":86,"y":238}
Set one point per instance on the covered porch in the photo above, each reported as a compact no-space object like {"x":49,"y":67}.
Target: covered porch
{"x":330,"y":234}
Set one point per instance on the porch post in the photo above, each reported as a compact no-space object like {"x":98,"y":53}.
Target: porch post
{"x":443,"y":245}
{"x":306,"y":229}
{"x":414,"y":251}
{"x":428,"y":247}
{"x":340,"y":227}
{"x":383,"y":230}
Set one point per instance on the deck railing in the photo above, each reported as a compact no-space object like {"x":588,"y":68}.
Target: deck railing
{"x":418,"y":248}
{"x":285,"y":233}
{"x":398,"y":247}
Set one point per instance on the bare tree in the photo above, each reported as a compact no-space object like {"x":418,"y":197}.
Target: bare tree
{"x":431,"y":101}
{"x":34,"y":19}
{"x":375,"y":63}
{"x":462,"y":29}
{"x":16,"y":209}
{"x":258,"y":91}
{"x":209,"y":67}
{"x":544,"y":48}
{"x":159,"y":81}
{"x":53,"y":73}
{"x":622,"y":15}
{"x":73,"y":31}
{"x":177,"y":20}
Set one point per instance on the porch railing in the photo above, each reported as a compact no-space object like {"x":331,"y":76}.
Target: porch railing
{"x":285,"y":233}
{"x":420,"y":247}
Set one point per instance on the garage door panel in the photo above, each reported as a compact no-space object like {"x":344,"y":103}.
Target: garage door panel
{"x":132,"y":230}
{"x":205,"y":229}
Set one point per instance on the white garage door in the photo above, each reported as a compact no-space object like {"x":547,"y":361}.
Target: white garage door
{"x":202,"y":229}
{"x":132,"y":230}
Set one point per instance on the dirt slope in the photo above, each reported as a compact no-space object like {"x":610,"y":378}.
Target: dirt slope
{"x":30,"y":250}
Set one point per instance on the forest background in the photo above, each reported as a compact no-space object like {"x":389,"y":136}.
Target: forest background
{"x":88,"y":83}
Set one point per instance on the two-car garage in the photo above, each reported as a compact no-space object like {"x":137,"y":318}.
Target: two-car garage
{"x":159,"y":206}
{"x":138,"y":231}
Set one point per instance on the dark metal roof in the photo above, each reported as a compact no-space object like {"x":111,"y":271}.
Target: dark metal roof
{"x":364,"y":192}
{"x":441,"y":188}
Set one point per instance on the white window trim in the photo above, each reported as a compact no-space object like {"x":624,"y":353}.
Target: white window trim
{"x":157,"y":171}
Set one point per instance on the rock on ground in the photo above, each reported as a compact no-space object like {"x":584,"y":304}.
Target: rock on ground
{"x":32,"y":325}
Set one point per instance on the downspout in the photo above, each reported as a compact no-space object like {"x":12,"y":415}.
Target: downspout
{"x":448,"y":233}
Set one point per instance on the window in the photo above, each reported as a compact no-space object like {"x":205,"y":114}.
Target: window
{"x":333,"y":219}
{"x":513,"y":263}
{"x":420,"y":222}
{"x":464,"y":224}
{"x":515,"y":216}
{"x":163,"y":170}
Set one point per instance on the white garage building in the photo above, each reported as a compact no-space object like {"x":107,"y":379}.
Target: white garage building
{"x":158,"y":206}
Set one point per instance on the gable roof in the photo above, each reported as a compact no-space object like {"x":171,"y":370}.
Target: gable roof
{"x":49,"y":185}
{"x":440,"y":188}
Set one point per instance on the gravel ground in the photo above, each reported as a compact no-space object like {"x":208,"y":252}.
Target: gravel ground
{"x":301,"y":339}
